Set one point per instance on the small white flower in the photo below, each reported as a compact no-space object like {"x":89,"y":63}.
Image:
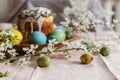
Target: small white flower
{"x":25,"y":49}
{"x":75,"y":23}
{"x":33,"y":46}
{"x":2,"y":44}
{"x":45,"y":49}
{"x":31,"y":49}
{"x":2,"y":47}
{"x":115,"y":21}
{"x":2,"y":55}
{"x":11,"y":33}
{"x":65,"y":24}
{"x":51,"y":47}
{"x":68,"y":21}
{"x":7,"y":44}
{"x":12,"y":52}
{"x":51,"y":41}
{"x":36,"y":46}
{"x":23,"y":61}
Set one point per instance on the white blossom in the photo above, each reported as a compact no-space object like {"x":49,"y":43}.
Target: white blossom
{"x":31,"y":49}
{"x":12,"y":52}
{"x":2,"y":55}
{"x":45,"y":49}
{"x":52,"y":41}
{"x":115,"y":21}
{"x":25,"y":48}
{"x":23,"y":61}
{"x":33,"y":46}
{"x":75,"y":23}
{"x":51,"y":46}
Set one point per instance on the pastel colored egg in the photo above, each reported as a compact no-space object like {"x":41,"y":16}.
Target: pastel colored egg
{"x":38,"y":37}
{"x":62,"y":28}
{"x":44,"y":61}
{"x":86,"y":58}
{"x":59,"y":35}
{"x":88,"y":44}
{"x":19,"y":37}
{"x":105,"y":51}
{"x":69,"y":34}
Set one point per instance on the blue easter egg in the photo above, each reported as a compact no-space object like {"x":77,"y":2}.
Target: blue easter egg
{"x":38,"y":37}
{"x":87,"y":44}
{"x":62,"y":28}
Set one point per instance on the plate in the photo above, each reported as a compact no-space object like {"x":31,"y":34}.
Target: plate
{"x":19,"y":48}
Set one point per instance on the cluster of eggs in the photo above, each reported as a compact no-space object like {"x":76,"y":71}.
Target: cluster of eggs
{"x":36,"y":26}
{"x":59,"y":34}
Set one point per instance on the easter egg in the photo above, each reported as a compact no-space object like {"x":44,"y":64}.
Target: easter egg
{"x":38,"y":37}
{"x":43,"y":61}
{"x":62,"y":28}
{"x":105,"y":51}
{"x":19,"y":37}
{"x":87,"y":44}
{"x":86,"y":58}
{"x":59,"y":35}
{"x":69,"y":34}
{"x":51,"y":37}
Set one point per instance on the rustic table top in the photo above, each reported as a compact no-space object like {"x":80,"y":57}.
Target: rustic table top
{"x":102,"y":68}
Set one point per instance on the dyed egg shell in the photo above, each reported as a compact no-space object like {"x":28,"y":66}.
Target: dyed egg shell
{"x":51,"y":37}
{"x":59,"y":35}
{"x":19,"y":37}
{"x":105,"y":51}
{"x":44,"y":61}
{"x":87,"y":44}
{"x":38,"y":37}
{"x":62,"y":28}
{"x":69,"y":34}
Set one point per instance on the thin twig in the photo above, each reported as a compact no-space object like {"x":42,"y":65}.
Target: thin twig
{"x":38,"y":53}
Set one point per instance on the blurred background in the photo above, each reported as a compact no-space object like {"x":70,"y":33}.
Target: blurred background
{"x":107,"y":9}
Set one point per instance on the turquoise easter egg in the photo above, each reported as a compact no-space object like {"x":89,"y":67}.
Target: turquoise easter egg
{"x":87,"y":44}
{"x":38,"y":37}
{"x":62,"y":28}
{"x":59,"y":35}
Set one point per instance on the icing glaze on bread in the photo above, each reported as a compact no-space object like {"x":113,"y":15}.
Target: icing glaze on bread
{"x":36,"y":19}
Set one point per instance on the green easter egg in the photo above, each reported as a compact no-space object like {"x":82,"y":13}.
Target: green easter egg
{"x":105,"y":51}
{"x":69,"y":34}
{"x":44,"y":61}
{"x":59,"y":34}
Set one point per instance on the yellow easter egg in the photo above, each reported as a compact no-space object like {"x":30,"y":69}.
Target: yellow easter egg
{"x":19,"y":37}
{"x":86,"y":58}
